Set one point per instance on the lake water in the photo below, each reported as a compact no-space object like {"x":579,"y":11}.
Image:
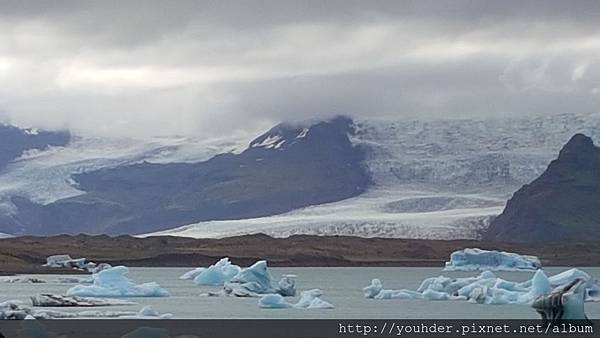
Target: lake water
{"x":341,"y":286}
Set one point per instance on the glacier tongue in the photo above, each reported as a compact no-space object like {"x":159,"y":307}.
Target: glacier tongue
{"x":438,"y":179}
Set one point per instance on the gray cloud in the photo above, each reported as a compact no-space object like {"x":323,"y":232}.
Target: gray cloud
{"x":204,"y":67}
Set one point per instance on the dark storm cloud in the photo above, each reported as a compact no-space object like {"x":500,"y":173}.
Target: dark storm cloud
{"x":159,"y":67}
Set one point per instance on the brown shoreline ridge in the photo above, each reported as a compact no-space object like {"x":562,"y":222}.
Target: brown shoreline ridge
{"x":27,"y":254}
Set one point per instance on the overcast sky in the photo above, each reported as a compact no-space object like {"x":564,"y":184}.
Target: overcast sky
{"x":207,"y":67}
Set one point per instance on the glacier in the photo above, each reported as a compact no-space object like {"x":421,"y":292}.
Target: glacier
{"x":113,"y":283}
{"x":486,"y":288}
{"x":217,"y":274}
{"x":471,"y":259}
{"x":309,"y":299}
{"x":44,"y":176}
{"x":433,"y":179}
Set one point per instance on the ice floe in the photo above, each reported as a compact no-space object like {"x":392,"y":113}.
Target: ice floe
{"x":65,"y":261}
{"x":256,"y":280}
{"x":45,"y":300}
{"x":477,"y":259}
{"x":13,"y":309}
{"x":18,"y":279}
{"x":310,"y":299}
{"x":487,"y":288}
{"x":217,"y":274}
{"x":113,"y":283}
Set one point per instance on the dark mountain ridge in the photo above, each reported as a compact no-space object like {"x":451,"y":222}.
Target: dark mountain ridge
{"x":286,"y":168}
{"x":563,"y":204}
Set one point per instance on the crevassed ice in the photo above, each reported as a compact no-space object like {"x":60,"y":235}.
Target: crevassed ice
{"x":472,"y":259}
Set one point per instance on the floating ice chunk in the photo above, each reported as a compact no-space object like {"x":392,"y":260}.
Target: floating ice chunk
{"x":373,"y":289}
{"x":310,"y":299}
{"x":149,"y":312}
{"x":31,"y":280}
{"x":113,"y":283}
{"x":477,"y":259}
{"x":65,"y":261}
{"x":565,"y":302}
{"x":59,"y":300}
{"x":568,"y":276}
{"x":14,"y":309}
{"x":487,"y":288}
{"x":273,"y":301}
{"x":251,"y":281}
{"x":287,"y":286}
{"x":218,"y":273}
{"x":74,"y":280}
{"x":192,"y":273}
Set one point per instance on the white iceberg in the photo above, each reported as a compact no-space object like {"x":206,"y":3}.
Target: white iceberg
{"x":310,"y":299}
{"x":191,"y":275}
{"x":477,"y":259}
{"x":486,"y":288}
{"x":65,"y":261}
{"x":113,"y":283}
{"x":217,"y":274}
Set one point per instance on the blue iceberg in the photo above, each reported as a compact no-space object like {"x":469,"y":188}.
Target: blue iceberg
{"x":310,"y":299}
{"x":477,"y":259}
{"x":487,"y":288}
{"x":113,"y":283}
{"x":217,"y":274}
{"x":256,"y":280}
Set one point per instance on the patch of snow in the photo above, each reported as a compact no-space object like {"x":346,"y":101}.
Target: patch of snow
{"x":477,"y":259}
{"x":113,"y":283}
{"x":303,"y":133}
{"x":271,"y":141}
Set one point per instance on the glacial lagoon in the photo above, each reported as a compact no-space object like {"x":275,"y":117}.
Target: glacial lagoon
{"x":342,"y":286}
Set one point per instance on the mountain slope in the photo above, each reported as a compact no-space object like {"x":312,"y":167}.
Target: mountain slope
{"x":16,"y":141}
{"x":562,"y":204}
{"x":286,"y":168}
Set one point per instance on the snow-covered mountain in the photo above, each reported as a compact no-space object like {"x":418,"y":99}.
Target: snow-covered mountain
{"x":437,"y":179}
{"x":428,"y":179}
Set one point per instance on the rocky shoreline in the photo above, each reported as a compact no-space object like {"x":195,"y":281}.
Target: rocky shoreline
{"x":27,"y":254}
